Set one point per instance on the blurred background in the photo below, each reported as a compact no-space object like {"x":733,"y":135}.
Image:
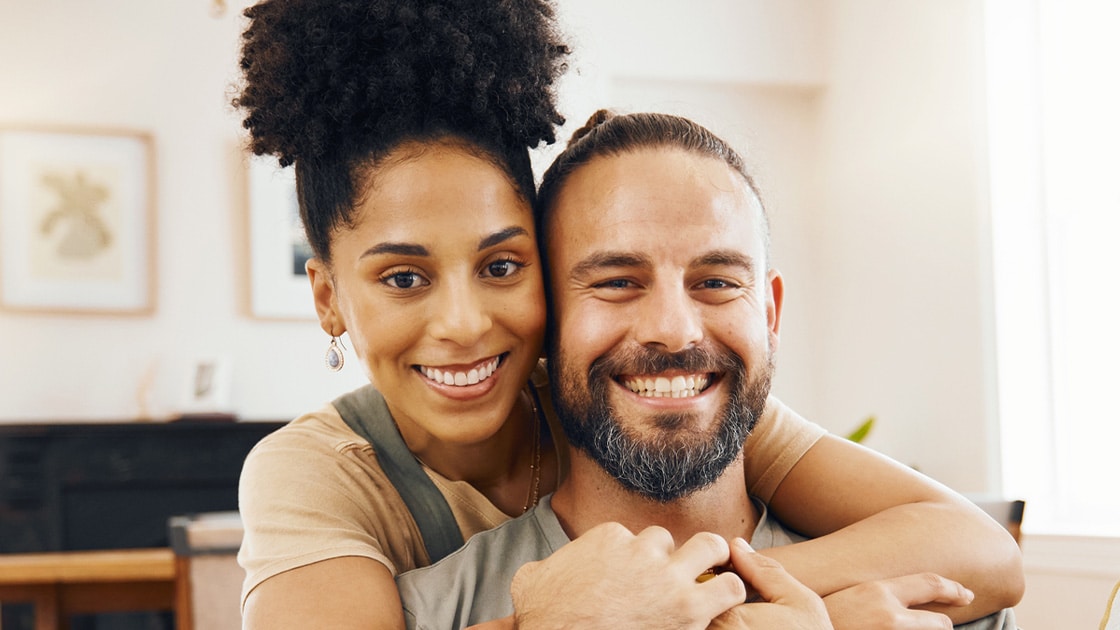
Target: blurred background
{"x":938,"y":178}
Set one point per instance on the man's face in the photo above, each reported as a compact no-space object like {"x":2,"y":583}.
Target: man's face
{"x":666,"y":317}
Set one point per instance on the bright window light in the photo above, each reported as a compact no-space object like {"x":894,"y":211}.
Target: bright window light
{"x":1054,"y":144}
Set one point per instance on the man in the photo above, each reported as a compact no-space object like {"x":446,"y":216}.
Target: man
{"x":665,"y":317}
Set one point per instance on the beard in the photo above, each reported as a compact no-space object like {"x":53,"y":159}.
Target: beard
{"x":678,"y":460}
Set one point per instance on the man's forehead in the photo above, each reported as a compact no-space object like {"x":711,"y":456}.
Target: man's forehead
{"x":652,"y":195}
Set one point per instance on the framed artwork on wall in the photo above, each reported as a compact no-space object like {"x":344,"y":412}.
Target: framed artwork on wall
{"x":278,"y":284}
{"x":77,"y":221}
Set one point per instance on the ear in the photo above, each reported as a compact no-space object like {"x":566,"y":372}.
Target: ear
{"x":326,"y":302}
{"x":774,"y":305}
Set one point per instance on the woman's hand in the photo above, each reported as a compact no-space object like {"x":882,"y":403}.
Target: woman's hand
{"x":611,"y":578}
{"x":890,"y":604}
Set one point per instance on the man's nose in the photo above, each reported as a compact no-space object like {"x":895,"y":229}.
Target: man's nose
{"x":460,"y":316}
{"x":669,"y":318}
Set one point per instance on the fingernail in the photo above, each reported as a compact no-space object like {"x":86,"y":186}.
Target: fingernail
{"x":743,"y":544}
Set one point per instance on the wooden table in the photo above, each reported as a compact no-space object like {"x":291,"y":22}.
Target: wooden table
{"x":65,"y":583}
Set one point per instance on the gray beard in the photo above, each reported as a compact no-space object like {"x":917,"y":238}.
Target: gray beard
{"x":678,"y":461}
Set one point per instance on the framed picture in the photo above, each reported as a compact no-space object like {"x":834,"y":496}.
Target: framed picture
{"x":278,"y":284}
{"x":77,"y":221}
{"x":208,"y":387}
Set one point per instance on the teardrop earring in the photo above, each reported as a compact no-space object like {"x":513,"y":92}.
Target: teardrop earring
{"x":335,"y":358}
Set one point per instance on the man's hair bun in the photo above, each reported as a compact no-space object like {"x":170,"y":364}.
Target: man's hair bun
{"x":596,"y":119}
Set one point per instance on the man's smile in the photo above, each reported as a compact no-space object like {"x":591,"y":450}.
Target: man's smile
{"x":665,"y":386}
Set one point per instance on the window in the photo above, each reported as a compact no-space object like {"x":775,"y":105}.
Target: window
{"x":1054,"y":146}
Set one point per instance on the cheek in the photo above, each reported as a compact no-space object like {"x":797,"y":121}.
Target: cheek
{"x":590,"y":329}
{"x":745,"y":332}
{"x":523,"y":309}
{"x":378,"y":329}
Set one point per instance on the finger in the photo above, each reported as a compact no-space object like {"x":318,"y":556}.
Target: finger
{"x":656,"y":538}
{"x":702,"y":552}
{"x":766,"y":575}
{"x":929,"y":588}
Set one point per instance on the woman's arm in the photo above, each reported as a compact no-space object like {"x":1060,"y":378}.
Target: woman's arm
{"x":317,"y":522}
{"x":345,"y":593}
{"x":873,"y":518}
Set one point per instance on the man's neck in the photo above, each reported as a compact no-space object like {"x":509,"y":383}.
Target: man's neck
{"x":589,"y":496}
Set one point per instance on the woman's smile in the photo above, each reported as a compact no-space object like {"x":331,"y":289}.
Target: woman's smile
{"x":461,"y":377}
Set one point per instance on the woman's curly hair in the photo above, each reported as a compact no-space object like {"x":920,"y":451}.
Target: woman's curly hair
{"x":333,"y":86}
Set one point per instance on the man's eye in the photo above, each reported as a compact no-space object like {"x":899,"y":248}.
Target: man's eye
{"x":715,"y":284}
{"x":615,"y":283}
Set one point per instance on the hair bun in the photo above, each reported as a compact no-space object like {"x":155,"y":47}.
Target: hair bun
{"x":339,"y":78}
{"x":596,"y":119}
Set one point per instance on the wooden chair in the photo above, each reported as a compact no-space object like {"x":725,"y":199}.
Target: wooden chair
{"x":64,"y":583}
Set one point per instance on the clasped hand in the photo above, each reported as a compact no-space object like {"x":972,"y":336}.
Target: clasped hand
{"x":612,"y":578}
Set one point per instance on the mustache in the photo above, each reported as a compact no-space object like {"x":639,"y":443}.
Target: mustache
{"x":637,"y":360}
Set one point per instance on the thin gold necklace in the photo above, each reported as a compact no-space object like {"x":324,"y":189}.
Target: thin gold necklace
{"x":535,"y":465}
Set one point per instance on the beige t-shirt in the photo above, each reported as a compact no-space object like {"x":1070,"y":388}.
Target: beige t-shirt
{"x":313,"y":490}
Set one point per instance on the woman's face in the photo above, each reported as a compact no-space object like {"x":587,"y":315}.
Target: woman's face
{"x":439,"y":286}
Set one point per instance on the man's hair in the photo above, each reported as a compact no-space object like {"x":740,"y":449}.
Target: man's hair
{"x":606,"y":133}
{"x":334,"y":86}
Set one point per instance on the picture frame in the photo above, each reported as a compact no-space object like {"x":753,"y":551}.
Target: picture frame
{"x":77,"y":221}
{"x":208,"y":388}
{"x":278,"y":284}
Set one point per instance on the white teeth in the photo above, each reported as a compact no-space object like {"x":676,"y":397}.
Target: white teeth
{"x":662,"y":387}
{"x":471,"y":377}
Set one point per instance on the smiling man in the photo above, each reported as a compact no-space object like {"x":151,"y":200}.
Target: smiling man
{"x":665,"y":319}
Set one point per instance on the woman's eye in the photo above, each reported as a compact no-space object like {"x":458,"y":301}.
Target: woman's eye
{"x":502,"y":268}
{"x":403,"y":280}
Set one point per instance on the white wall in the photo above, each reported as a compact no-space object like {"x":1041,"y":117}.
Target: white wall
{"x":901,"y":252}
{"x":162,"y":67}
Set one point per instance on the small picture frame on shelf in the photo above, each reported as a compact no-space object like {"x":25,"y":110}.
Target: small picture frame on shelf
{"x":207,"y":389}
{"x":77,"y":221}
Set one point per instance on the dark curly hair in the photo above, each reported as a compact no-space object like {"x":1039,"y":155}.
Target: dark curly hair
{"x":334,"y":86}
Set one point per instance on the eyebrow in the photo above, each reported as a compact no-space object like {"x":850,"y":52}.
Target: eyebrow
{"x":400,"y":249}
{"x":725,"y":258}
{"x":502,"y":236}
{"x":609,"y":259}
{"x":414,"y":249}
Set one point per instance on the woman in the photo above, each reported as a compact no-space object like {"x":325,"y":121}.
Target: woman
{"x":409,"y":125}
